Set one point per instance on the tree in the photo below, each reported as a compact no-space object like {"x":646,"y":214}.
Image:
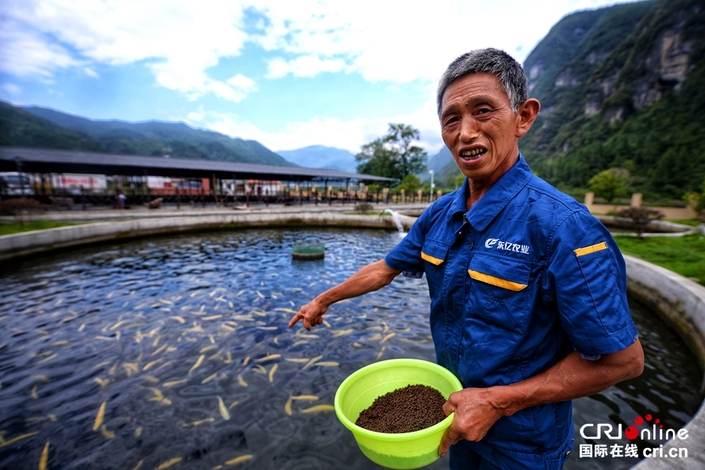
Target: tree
{"x":610,"y":184}
{"x":393,"y":155}
{"x":410,"y":184}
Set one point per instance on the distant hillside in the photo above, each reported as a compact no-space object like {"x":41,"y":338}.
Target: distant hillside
{"x":626,"y":90}
{"x":46,"y":128}
{"x":319,"y":156}
{"x":621,"y":87}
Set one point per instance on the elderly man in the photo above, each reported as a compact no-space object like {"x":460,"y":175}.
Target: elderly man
{"x":528,"y":290}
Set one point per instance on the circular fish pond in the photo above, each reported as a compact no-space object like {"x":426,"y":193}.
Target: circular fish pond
{"x":174,"y":352}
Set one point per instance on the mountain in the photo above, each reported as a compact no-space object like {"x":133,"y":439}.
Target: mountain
{"x":319,"y":156}
{"x":46,"y":128}
{"x":621,"y":87}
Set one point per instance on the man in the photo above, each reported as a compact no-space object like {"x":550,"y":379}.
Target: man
{"x":528,"y":290}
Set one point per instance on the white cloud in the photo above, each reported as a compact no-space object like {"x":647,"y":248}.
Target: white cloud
{"x":304,"y":66}
{"x":90,"y":72}
{"x":11,"y":89}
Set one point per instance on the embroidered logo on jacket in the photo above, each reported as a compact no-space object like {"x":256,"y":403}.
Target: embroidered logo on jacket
{"x":491,"y":243}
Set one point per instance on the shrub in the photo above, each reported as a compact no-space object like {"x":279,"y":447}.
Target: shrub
{"x":640,"y":217}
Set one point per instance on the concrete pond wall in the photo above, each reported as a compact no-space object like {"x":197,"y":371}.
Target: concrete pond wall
{"x":679,"y":300}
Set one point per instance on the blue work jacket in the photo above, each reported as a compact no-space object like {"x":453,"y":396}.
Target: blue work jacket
{"x":517,"y":282}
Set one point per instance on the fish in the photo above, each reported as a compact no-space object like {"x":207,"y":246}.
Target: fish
{"x":297,"y":359}
{"x":148,"y":366}
{"x":169,"y":463}
{"x":34,"y":391}
{"x":44,"y":458}
{"x":99,"y":417}
{"x":117,"y":325}
{"x":18,"y":438}
{"x":272,"y":371}
{"x":174,"y":382}
{"x":130,"y":368}
{"x":229,"y":358}
{"x":61,"y":343}
{"x":303,"y":341}
{"x":236,"y":460}
{"x":162,"y":348}
{"x":80,"y":328}
{"x":158,"y":395}
{"x":198,"y":423}
{"x":106,"y":433}
{"x":139,"y":464}
{"x":138,"y":432}
{"x":246,"y":361}
{"x":317,"y":408}
{"x":268,"y":357}
{"x":208,"y":348}
{"x":328,"y":364}
{"x":305,"y":397}
{"x":342,"y":333}
{"x":209,"y":378}
{"x":241,"y":381}
{"x":102,"y":382}
{"x":381,"y":351}
{"x":325,"y":322}
{"x":387,"y":337}
{"x":178,"y":319}
{"x":259,"y":369}
{"x":286,"y":310}
{"x":287,"y":406}
{"x":234,"y":404}
{"x":223,"y":410}
{"x":312,"y":361}
{"x":212,"y":317}
{"x":198,"y":363}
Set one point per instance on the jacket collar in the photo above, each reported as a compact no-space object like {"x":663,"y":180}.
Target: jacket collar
{"x":495,"y":199}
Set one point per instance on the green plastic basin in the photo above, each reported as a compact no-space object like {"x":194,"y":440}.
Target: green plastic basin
{"x":402,"y":450}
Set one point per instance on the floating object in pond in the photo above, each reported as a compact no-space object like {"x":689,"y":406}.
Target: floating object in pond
{"x":308,"y":252}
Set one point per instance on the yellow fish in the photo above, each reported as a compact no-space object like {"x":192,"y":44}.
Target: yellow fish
{"x":209,"y":378}
{"x":297,"y":359}
{"x":151,"y":364}
{"x":174,"y":382}
{"x":342,"y":332}
{"x":198,"y":363}
{"x":99,"y":417}
{"x":305,"y":397}
{"x":287,"y":406}
{"x":198,"y":423}
{"x":233,"y":404}
{"x":170,"y":463}
{"x":178,"y":319}
{"x":387,"y":337}
{"x":328,"y":364}
{"x":241,"y":381}
{"x":107,"y":434}
{"x":317,"y":408}
{"x":269,"y":357}
{"x":223,"y":410}
{"x":272,"y":371}
{"x":242,"y":458}
{"x":44,"y":458}
{"x":18,"y":438}
{"x":312,"y":361}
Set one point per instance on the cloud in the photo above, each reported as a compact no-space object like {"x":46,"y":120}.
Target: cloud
{"x":303,"y":66}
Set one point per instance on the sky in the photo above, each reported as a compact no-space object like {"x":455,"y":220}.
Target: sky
{"x":288,"y":74}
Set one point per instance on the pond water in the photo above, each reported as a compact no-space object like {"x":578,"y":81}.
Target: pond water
{"x":181,"y":345}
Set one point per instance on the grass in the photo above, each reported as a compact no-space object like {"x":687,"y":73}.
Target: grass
{"x":683,"y":255}
{"x":9,"y":229}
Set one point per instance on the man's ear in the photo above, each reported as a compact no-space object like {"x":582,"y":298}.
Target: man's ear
{"x":526,"y":116}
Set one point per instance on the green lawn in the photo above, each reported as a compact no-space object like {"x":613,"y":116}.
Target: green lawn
{"x":8,"y":229}
{"x":683,"y":255}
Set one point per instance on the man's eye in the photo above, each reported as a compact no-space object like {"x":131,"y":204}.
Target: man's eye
{"x":450,"y":120}
{"x":484,"y":110}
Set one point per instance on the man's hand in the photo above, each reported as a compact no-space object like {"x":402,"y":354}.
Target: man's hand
{"x":475,"y":414}
{"x":311,"y":314}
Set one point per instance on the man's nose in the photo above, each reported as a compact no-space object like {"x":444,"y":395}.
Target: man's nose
{"x":468,"y":129}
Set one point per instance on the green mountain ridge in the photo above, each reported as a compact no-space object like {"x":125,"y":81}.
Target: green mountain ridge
{"x":623,"y":87}
{"x":45,"y":128}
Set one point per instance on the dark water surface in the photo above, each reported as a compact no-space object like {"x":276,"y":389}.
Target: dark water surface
{"x":162,"y":331}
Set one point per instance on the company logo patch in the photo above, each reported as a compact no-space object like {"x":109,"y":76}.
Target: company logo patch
{"x":496,"y":243}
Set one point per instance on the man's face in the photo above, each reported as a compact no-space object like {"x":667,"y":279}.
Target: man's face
{"x":479,"y":127}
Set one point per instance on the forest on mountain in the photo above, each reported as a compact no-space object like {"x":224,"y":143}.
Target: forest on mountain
{"x":620,"y":87}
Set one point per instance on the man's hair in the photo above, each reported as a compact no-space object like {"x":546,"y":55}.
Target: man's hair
{"x":493,"y":61}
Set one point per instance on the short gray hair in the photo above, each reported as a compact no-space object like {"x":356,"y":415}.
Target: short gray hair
{"x":495,"y":62}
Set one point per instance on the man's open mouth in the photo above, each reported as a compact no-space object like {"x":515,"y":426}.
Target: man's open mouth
{"x":473,"y":154}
